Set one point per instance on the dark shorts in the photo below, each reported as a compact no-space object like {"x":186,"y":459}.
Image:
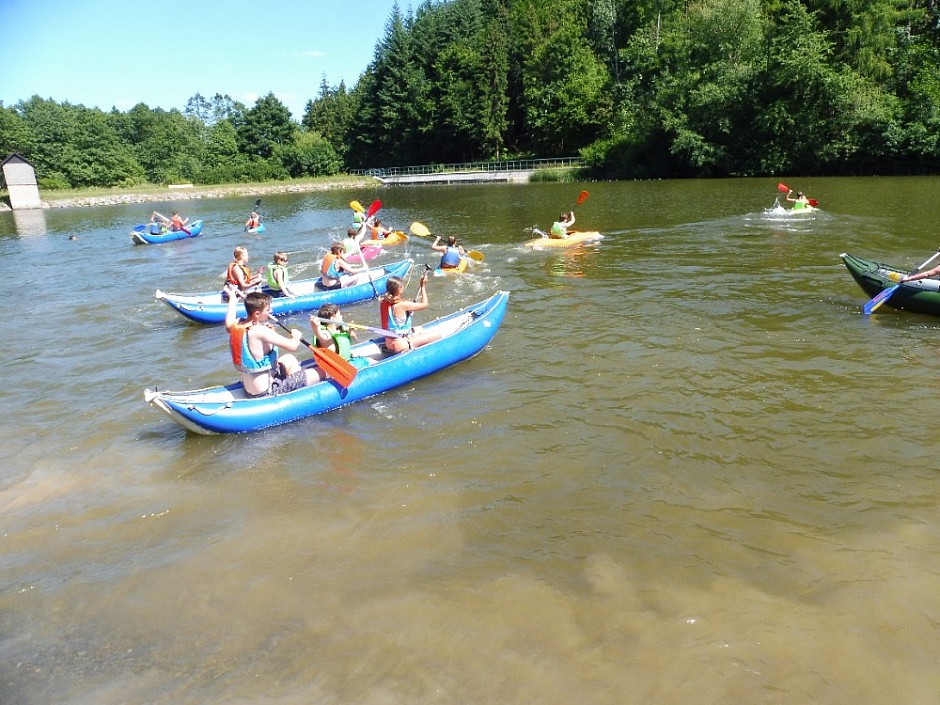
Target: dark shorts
{"x":283,"y":385}
{"x":337,"y":285}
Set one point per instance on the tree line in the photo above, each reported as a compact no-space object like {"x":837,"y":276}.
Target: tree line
{"x":637,"y":88}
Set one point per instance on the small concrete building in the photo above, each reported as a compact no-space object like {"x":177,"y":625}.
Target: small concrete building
{"x":20,"y":178}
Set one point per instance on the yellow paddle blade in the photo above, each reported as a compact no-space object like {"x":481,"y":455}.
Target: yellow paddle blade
{"x":356,"y":206}
{"x":420,"y":230}
{"x":475,"y":255}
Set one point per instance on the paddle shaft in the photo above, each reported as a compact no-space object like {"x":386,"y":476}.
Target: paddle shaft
{"x":783,"y":188}
{"x":883,"y":296}
{"x":289,"y":330}
{"x":168,"y":227}
{"x":362,"y":258}
{"x":332,"y":364}
{"x":381,"y":331}
{"x":421,"y":230}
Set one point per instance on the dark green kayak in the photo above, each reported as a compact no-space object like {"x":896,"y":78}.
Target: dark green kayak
{"x":921,"y":296}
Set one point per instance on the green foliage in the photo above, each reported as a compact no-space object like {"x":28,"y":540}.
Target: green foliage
{"x":309,"y":155}
{"x":265,"y":127}
{"x":640,"y":88}
{"x":331,"y":115}
{"x":565,"y":176}
{"x":53,"y":182}
{"x":77,"y":143}
{"x":16,"y":135}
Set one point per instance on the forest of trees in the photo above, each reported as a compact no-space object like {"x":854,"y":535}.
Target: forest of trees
{"x":637,"y":88}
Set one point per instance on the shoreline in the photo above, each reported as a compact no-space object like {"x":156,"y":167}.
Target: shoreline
{"x":197,"y":193}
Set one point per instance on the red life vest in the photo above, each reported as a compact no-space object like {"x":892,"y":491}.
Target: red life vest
{"x":384,"y":307}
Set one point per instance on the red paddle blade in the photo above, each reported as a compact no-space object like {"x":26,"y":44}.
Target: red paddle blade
{"x":582,"y":197}
{"x":374,"y":208}
{"x":334,"y":366}
{"x":813,"y":202}
{"x":783,"y":188}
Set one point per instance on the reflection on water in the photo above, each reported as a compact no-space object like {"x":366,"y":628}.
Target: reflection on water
{"x":30,"y":222}
{"x":686,"y":469}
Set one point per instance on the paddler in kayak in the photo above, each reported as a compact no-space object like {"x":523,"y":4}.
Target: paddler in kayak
{"x":254,"y":220}
{"x":351,"y":241}
{"x":333,"y":266}
{"x":561,"y":226}
{"x":254,"y":347}
{"x":452,"y":252}
{"x":334,"y":335}
{"x":395,"y":313}
{"x":239,"y":275}
{"x":800,"y":202}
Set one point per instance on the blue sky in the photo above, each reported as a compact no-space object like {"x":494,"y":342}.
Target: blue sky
{"x":117,"y":53}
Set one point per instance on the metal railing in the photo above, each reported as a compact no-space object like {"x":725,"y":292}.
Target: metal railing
{"x":465,"y":167}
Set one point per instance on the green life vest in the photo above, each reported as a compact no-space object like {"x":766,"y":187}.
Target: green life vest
{"x":272,"y":282}
{"x":342,"y":343}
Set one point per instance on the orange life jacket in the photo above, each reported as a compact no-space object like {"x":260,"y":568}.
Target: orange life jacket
{"x":230,"y":274}
{"x":328,"y":260}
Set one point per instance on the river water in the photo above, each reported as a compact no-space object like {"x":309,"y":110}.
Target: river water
{"x":687,"y":470}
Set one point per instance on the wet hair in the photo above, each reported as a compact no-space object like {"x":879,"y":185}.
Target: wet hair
{"x":328,"y":311}
{"x":256,"y":301}
{"x":393,"y":287}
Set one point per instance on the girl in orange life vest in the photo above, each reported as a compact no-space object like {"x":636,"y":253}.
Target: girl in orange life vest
{"x":238,"y":274}
{"x":177,"y":223}
{"x":254,"y":220}
{"x":395,"y":314}
{"x":254,"y":346}
{"x":334,"y":265}
{"x":379,"y":231}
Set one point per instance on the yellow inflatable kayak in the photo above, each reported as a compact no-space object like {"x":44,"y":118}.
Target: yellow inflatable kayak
{"x":459,"y":269}
{"x":573,"y":238}
{"x":393,"y":238}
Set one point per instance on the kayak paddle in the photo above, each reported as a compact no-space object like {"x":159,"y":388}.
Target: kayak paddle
{"x":332,"y":364}
{"x":783,"y":188}
{"x":380,"y":331}
{"x":883,"y":296}
{"x":421,"y":230}
{"x":356,"y":206}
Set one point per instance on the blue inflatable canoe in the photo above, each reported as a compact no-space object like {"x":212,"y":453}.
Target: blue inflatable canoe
{"x":226,"y":409}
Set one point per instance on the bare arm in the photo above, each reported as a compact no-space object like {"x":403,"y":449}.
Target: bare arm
{"x":319,"y":330}
{"x":921,"y":275}
{"x":230,"y":317}
{"x":269,"y":335}
{"x":279,"y":278}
